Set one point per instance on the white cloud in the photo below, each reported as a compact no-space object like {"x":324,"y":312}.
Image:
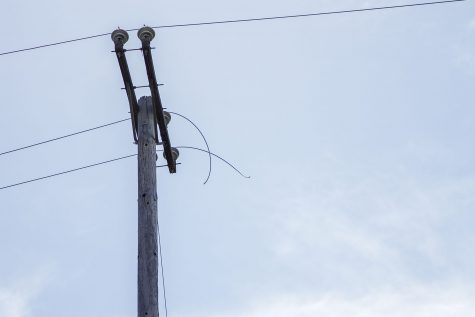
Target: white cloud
{"x":471,"y":24}
{"x":464,"y":54}
{"x":464,"y":58}
{"x":375,"y":230}
{"x":16,"y":299}
{"x":414,"y":302}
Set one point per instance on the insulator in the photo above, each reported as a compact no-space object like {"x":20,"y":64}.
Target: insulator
{"x":120,"y":36}
{"x":146,"y":33}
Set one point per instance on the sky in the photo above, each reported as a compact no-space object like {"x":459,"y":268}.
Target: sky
{"x":356,"y":129}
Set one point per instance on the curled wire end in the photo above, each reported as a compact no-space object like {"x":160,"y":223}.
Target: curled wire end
{"x":206,"y":142}
{"x":215,"y":155}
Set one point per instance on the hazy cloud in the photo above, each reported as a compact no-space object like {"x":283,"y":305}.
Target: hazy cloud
{"x":415,"y":302}
{"x":471,"y":25}
{"x":16,"y":299}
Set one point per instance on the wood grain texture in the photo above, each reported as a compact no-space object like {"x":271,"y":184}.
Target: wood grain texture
{"x":147,"y":269}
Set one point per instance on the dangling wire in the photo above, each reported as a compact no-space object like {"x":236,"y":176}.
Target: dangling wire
{"x":161,"y":267}
{"x":158,"y":222}
{"x":215,"y":155}
{"x":63,"y":137}
{"x":202,"y":135}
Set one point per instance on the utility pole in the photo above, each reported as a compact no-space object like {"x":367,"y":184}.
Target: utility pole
{"x":145,"y":115}
{"x":147,"y":279}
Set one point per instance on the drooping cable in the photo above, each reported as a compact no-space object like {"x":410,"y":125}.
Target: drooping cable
{"x":204,"y":139}
{"x":63,"y":137}
{"x":240,"y":20}
{"x":113,"y":160}
{"x":55,"y":43}
{"x":161,"y":268}
{"x":215,"y":155}
{"x":305,"y":15}
{"x":68,"y":171}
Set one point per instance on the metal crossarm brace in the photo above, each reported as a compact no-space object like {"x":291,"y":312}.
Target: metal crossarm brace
{"x":129,"y":86}
{"x":156,"y":101}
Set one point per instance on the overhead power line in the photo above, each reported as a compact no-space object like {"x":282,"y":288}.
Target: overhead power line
{"x":307,"y":14}
{"x":161,"y":266}
{"x":55,"y":43}
{"x":110,"y":124}
{"x":66,"y":172}
{"x":215,"y":155}
{"x":63,"y":137}
{"x":239,"y":21}
{"x":118,"y":159}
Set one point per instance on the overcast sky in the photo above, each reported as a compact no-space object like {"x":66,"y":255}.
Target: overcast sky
{"x":357,"y":131}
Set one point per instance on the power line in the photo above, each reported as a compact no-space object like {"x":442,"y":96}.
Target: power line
{"x":114,"y":160}
{"x":54,"y":44}
{"x":306,"y":15}
{"x":161,"y":266}
{"x":215,"y":155}
{"x":113,"y":123}
{"x":66,"y":172}
{"x":110,"y":124}
{"x":63,"y":137}
{"x":238,"y":21}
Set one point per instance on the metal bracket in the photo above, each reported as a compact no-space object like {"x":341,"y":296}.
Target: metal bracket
{"x":144,"y":86}
{"x":133,"y":49}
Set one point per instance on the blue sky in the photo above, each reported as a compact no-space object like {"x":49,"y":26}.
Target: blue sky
{"x":357,"y":131}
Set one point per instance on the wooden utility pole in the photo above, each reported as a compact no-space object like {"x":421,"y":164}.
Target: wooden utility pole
{"x":145,"y":116}
{"x":147,"y":282}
